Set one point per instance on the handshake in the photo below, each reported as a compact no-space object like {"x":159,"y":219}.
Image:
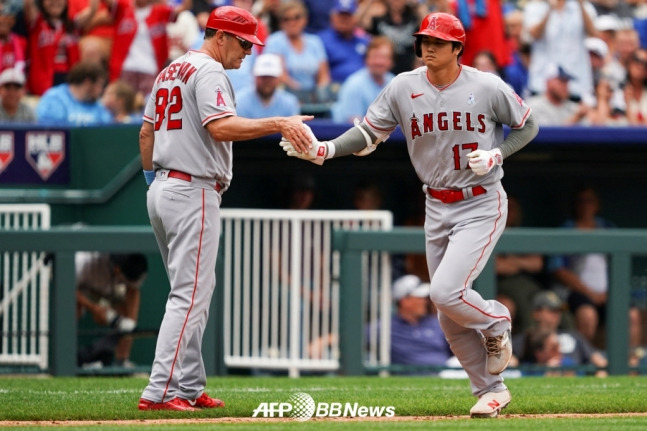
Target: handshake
{"x":317,"y":154}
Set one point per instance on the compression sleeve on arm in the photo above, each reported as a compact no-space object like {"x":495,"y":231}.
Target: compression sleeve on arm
{"x":519,"y":138}
{"x":351,"y":141}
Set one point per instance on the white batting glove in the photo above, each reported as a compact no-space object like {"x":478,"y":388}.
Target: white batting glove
{"x":482,"y":161}
{"x":317,"y":154}
{"x":126,"y":324}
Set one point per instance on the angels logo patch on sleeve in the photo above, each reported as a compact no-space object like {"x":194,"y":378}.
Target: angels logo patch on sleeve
{"x":220,"y":101}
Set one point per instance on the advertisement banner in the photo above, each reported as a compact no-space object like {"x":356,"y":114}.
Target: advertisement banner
{"x":34,"y":157}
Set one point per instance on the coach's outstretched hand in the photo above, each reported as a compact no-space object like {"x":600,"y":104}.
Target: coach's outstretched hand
{"x":317,"y":154}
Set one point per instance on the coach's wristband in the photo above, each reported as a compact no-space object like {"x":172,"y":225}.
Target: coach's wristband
{"x":150,"y":176}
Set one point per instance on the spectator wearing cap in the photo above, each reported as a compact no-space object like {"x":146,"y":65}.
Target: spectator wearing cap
{"x":548,"y":317}
{"x":362,"y":87}
{"x":13,"y":48}
{"x":76,"y":103}
{"x":598,"y":53}
{"x":557,"y":30}
{"x":609,"y":109}
{"x":416,"y":336}
{"x":244,"y":76}
{"x":12,"y":90}
{"x":345,"y":42}
{"x":265,"y":98}
{"x":621,"y":43}
{"x":553,"y":107}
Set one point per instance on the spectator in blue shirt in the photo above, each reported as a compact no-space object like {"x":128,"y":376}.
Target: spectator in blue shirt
{"x":416,"y":337}
{"x":362,"y":87}
{"x":318,"y":11}
{"x":306,"y":74}
{"x":345,"y":42}
{"x":76,"y":103}
{"x":265,"y":98}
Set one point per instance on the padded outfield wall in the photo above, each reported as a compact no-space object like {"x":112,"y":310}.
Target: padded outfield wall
{"x":104,"y":184}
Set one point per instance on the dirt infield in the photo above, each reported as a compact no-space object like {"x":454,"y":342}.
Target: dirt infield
{"x":278,"y":420}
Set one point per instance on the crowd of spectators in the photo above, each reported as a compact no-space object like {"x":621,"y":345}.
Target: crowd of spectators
{"x":586,"y":58}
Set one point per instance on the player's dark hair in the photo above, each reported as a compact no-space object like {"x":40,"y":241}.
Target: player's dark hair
{"x":133,"y":266}
{"x":209,"y":33}
{"x":457,"y":45}
{"x":417,"y":46}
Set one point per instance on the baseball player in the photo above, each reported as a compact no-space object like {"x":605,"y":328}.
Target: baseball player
{"x":185,"y":144}
{"x":452,"y":117}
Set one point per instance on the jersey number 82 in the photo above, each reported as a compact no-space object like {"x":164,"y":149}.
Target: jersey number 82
{"x":168,"y":103}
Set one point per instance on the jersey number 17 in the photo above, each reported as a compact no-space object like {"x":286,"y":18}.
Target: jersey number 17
{"x":468,"y":148}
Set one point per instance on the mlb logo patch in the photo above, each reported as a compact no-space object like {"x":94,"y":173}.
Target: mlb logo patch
{"x":45,"y":151}
{"x":6,"y":149}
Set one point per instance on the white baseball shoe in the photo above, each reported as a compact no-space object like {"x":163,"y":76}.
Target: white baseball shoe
{"x":491,"y":404}
{"x":499,"y":352}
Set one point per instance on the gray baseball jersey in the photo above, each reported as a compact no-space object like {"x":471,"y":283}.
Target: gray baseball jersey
{"x":441,"y":126}
{"x":184,"y":210}
{"x":189,"y":93}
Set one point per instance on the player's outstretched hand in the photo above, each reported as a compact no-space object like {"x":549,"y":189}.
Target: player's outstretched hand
{"x":316,"y":154}
{"x":482,"y":161}
{"x":294,"y":130}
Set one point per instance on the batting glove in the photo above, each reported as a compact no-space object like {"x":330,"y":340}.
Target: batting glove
{"x":482,"y":161}
{"x":125,"y":324}
{"x":317,"y":154}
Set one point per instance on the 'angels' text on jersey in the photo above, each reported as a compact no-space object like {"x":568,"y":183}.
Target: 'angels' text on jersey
{"x":443,"y":121}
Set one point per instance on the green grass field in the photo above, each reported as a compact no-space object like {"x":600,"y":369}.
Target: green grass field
{"x":437,"y":401}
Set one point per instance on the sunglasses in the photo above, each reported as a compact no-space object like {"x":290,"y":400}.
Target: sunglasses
{"x":291,"y":18}
{"x":245,"y":44}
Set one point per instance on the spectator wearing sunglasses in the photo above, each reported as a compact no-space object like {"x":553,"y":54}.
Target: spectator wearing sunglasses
{"x":307,"y":73}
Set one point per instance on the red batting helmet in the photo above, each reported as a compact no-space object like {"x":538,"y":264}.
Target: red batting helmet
{"x":236,"y":21}
{"x":442,"y":26}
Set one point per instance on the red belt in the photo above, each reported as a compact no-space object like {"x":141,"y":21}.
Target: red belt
{"x":186,"y":177}
{"x":451,"y":196}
